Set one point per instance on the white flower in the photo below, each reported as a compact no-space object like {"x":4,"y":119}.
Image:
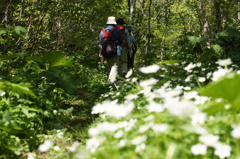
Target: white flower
{"x":188,"y":79}
{"x":74,"y":146}
{"x":198,"y":118}
{"x":224,"y":62}
{"x":187,"y":88}
{"x":119,"y":110}
{"x":155,"y":107}
{"x":60,"y":134}
{"x":113,"y":109}
{"x":209,"y":139}
{"x":190,"y":67}
{"x":134,"y":80}
{"x":209,"y":74}
{"x":200,"y":130}
{"x":149,"y":82}
{"x":144,"y":128}
{"x":2,"y":94}
{"x":222,"y":150}
{"x":93,"y":143}
{"x":181,"y":109}
{"x":220,"y":73}
{"x":199,"y":149}
{"x":118,"y":134}
{"x":31,"y":155}
{"x":129,"y":73}
{"x":103,"y":127}
{"x":97,"y":109}
{"x":56,"y":148}
{"x":130,"y":97}
{"x":122,"y":143}
{"x":201,"y":79}
{"x":45,"y":146}
{"x":140,"y":148}
{"x":113,"y":73}
{"x":150,"y":69}
{"x":236,"y":131}
{"x":201,"y":99}
{"x":190,"y":95}
{"x":159,"y":128}
{"x":138,"y":140}
{"x":55,"y":112}
{"x":129,"y":125}
{"x":199,"y":64}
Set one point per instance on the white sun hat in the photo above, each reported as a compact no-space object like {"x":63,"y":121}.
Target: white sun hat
{"x":111,"y":20}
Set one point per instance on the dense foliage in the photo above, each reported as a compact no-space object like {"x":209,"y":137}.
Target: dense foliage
{"x":51,"y":77}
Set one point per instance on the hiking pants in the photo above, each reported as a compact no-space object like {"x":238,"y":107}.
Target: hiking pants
{"x":113,"y":64}
{"x":124,"y":60}
{"x":131,"y":59}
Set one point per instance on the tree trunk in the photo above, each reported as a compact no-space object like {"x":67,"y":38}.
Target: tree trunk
{"x":131,"y":5}
{"x":218,"y":18}
{"x":239,"y":14}
{"x":148,"y":27}
{"x":205,"y":22}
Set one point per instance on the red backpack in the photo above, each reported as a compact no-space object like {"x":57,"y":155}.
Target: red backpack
{"x":109,"y":47}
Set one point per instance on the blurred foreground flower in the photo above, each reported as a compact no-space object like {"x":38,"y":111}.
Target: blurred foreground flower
{"x":113,"y":109}
{"x":93,"y":144}
{"x":209,"y":140}
{"x":199,"y":149}
{"x":190,"y":67}
{"x":220,"y":73}
{"x":236,"y":131}
{"x":45,"y":146}
{"x":222,"y":150}
{"x":74,"y":146}
{"x":224,"y":62}
{"x":148,"y":82}
{"x":149,"y":69}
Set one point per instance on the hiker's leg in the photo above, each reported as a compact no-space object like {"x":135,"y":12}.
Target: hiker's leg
{"x":132,"y":60}
{"x":113,"y":64}
{"x":124,"y":61}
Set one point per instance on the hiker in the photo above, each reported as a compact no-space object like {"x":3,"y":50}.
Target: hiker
{"x":133,"y":47}
{"x":113,"y":58}
{"x":125,"y":45}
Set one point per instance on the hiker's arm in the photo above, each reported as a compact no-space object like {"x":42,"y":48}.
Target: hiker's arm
{"x":135,"y":43}
{"x":135,"y":46}
{"x":128,"y":38}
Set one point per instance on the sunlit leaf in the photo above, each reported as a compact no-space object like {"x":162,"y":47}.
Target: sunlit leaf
{"x":3,"y":32}
{"x":20,"y":30}
{"x":227,"y":88}
{"x":55,"y":59}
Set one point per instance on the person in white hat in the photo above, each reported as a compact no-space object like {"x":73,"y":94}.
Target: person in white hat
{"x":113,"y":62}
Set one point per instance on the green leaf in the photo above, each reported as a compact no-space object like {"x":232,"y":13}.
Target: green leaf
{"x":26,"y":112}
{"x":17,"y":88}
{"x":3,"y":32}
{"x":194,"y":40}
{"x":63,"y":79}
{"x":67,"y":111}
{"x":227,"y":88}
{"x":171,"y":62}
{"x":213,"y":107}
{"x":13,"y":55}
{"x":55,"y":59}
{"x":36,"y":58}
{"x":229,"y":32}
{"x":20,"y":30}
{"x":217,"y":49}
